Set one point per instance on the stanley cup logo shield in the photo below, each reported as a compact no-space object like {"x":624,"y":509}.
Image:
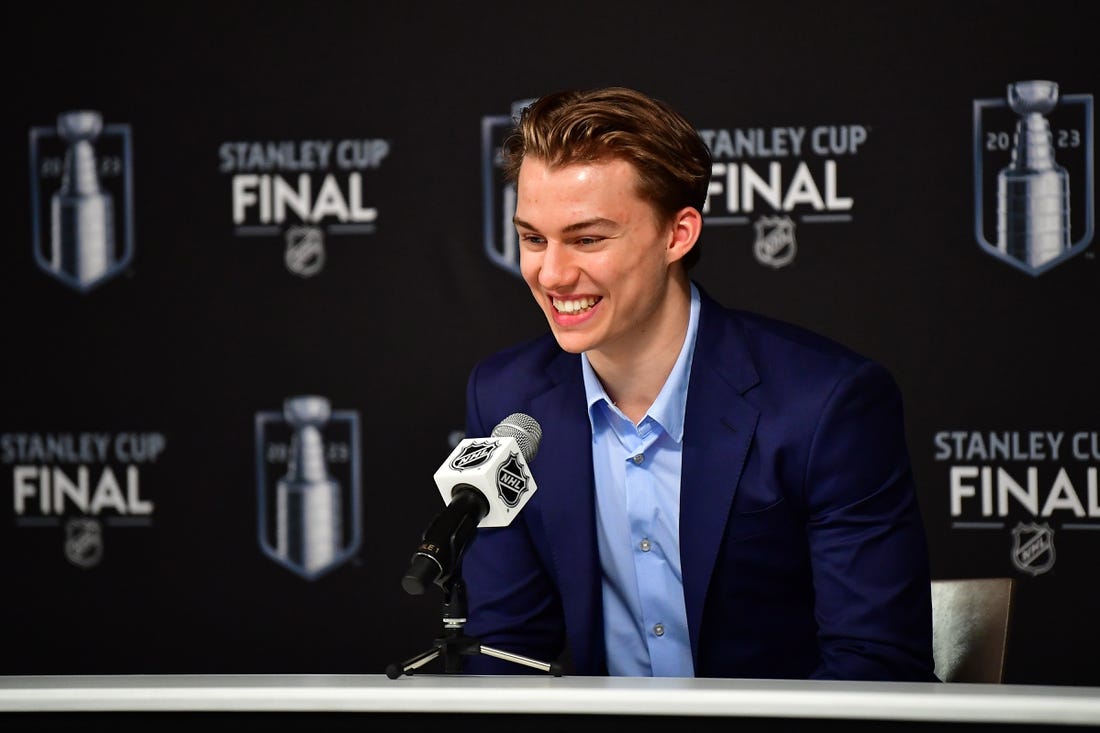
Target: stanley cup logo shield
{"x":499,"y":195}
{"x":81,"y":198}
{"x":1033,"y":175}
{"x":308,"y":485}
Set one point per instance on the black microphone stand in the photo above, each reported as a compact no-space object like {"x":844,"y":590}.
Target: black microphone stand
{"x":454,"y":643}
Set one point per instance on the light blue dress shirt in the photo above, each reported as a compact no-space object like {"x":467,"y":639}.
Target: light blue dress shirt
{"x":637,"y":470}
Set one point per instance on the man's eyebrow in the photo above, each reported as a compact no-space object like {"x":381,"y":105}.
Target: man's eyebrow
{"x":598,"y":221}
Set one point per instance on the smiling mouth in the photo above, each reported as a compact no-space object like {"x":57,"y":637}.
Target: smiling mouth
{"x":572,"y":306}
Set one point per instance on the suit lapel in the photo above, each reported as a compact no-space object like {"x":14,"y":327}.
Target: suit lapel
{"x":567,"y":507}
{"x":718,"y":429}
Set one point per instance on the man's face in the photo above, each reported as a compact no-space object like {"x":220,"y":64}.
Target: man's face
{"x":593,"y":254}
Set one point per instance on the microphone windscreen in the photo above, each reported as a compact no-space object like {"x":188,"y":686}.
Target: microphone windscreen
{"x":525,"y":429}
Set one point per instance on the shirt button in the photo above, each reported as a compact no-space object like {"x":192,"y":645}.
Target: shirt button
{"x":659,"y":629}
{"x":639,"y":458}
{"x":644,"y":545}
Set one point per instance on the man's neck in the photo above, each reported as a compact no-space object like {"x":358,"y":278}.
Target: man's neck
{"x":633,"y":378}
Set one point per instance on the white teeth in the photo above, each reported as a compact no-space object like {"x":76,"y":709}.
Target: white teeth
{"x":574,"y":306}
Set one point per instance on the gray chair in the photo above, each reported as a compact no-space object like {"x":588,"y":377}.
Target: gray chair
{"x":971,"y":618}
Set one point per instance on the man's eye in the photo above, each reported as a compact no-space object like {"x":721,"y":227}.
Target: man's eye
{"x":531,"y":239}
{"x":588,"y":240}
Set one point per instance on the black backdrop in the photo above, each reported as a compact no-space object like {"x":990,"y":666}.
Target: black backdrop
{"x":177,"y":360}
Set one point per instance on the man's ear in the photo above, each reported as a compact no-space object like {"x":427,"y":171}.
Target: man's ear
{"x":687,"y":225}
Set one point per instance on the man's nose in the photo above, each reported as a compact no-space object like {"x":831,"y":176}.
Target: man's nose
{"x":558,"y":267}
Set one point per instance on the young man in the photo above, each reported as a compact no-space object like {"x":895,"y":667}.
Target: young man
{"x":720,"y":494}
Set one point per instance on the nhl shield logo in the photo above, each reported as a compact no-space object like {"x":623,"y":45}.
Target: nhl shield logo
{"x":511,"y":480}
{"x":501,"y":244}
{"x":305,"y":250}
{"x":775,"y":245}
{"x":83,"y":542}
{"x":473,"y":455}
{"x":1033,"y":547}
{"x":1033,"y":175}
{"x":81,"y":199}
{"x":308,"y":485}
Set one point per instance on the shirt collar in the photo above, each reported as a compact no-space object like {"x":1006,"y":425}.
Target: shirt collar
{"x":671,"y":403}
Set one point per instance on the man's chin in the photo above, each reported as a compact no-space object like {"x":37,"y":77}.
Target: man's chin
{"x":570,"y":342}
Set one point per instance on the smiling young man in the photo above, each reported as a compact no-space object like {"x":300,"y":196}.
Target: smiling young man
{"x":603,"y":265}
{"x":720,"y":494}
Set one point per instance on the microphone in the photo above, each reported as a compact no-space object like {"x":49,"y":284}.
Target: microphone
{"x":484,"y":482}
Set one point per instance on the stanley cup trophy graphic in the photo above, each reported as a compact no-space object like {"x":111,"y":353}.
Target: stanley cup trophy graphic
{"x":308,"y":530}
{"x":82,"y":240}
{"x":1033,"y":190}
{"x":498,"y":195}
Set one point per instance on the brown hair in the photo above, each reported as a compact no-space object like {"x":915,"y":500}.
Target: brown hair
{"x":672,"y":162}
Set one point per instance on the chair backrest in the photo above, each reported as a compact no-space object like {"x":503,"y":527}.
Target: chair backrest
{"x":970,"y":625}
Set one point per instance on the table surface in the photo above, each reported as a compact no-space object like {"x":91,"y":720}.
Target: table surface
{"x":526,"y":694}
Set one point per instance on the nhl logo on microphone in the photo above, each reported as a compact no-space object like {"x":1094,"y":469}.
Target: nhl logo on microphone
{"x":497,"y":468}
{"x":512,"y":480}
{"x":473,"y":455}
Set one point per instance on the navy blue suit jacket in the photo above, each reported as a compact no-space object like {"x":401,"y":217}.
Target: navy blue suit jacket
{"x":802,"y":547}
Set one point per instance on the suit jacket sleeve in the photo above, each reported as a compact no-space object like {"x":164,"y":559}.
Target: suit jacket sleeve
{"x":869,"y":555}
